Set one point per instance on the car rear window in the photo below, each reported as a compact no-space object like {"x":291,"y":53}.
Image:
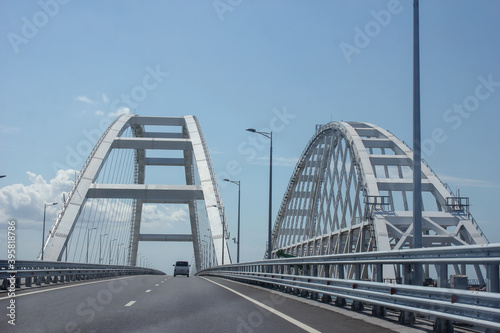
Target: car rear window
{"x":181,"y":263}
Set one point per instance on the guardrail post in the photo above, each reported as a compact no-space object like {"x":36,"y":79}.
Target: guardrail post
{"x":492,"y":274}
{"x":406,"y":317}
{"x":340,"y":271}
{"x":442,"y":278}
{"x":406,"y":274}
{"x":325,"y":298}
{"x":357,"y":305}
{"x":379,"y":272}
{"x":443,"y":326}
{"x":378,"y":310}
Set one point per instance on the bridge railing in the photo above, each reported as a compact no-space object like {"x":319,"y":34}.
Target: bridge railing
{"x":26,"y":273}
{"x":302,"y":276}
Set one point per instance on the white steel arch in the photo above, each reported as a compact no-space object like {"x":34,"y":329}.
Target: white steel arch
{"x":351,"y":191}
{"x":201,"y":184}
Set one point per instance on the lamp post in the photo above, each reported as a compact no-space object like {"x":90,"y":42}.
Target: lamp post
{"x":141,"y":260}
{"x":204,"y":259}
{"x":110,"y":241}
{"x":268,"y":135}
{"x":209,"y":253}
{"x":417,"y":160}
{"x":118,"y":254}
{"x":100,"y":247}
{"x":44,"y":211}
{"x":88,"y":238}
{"x":125,"y":257}
{"x":237,"y":182}
{"x":223,"y":234}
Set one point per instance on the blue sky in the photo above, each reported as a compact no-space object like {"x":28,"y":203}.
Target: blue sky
{"x":66,"y":66}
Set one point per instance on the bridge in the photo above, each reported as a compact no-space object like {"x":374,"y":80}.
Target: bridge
{"x":343,"y":238}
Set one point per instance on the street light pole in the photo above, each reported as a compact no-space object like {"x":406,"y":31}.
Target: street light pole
{"x":111,"y":240}
{"x":88,"y":236}
{"x":237,"y":182}
{"x":100,"y":247}
{"x":204,"y":259}
{"x":417,"y":163}
{"x":223,"y":234}
{"x":417,"y":159}
{"x":43,"y":230}
{"x":118,"y":254}
{"x":268,"y":135}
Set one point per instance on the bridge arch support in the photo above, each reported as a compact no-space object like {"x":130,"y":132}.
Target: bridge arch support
{"x":351,"y":191}
{"x":181,"y":134}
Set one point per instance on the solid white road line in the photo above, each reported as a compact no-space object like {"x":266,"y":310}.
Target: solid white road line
{"x":62,"y":287}
{"x":130,"y":303}
{"x":270,"y":309}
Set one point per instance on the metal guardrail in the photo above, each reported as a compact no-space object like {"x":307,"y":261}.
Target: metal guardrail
{"x":301,"y":276}
{"x":28,"y":273}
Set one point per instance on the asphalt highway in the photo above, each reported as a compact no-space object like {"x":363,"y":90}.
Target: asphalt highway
{"x":168,"y":304}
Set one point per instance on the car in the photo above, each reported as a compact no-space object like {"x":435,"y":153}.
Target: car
{"x":181,"y":268}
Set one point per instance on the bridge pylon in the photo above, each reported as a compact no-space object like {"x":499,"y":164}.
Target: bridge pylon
{"x":199,"y":191}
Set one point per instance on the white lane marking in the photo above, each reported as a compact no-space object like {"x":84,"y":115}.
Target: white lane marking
{"x":148,"y":291}
{"x":270,"y":309}
{"x":156,"y":285}
{"x":62,"y":287}
{"x":162,"y":281}
{"x":130,"y":303}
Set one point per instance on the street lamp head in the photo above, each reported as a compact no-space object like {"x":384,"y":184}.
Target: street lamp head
{"x":226,"y":180}
{"x":2,"y":176}
{"x":251,"y":130}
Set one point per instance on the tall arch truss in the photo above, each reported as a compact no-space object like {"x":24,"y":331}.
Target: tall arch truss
{"x":105,"y":203}
{"x":351,"y":191}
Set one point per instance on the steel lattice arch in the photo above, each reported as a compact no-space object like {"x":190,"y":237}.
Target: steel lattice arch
{"x":101,"y":194}
{"x":351,"y":191}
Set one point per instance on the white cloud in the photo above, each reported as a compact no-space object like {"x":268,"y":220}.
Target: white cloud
{"x":119,"y":112}
{"x":24,"y":203}
{"x":9,"y":130}
{"x":277,"y":161}
{"x":85,"y":99}
{"x":99,"y":113}
{"x":105,"y":99}
{"x":161,"y":216}
{"x":467,"y":182}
